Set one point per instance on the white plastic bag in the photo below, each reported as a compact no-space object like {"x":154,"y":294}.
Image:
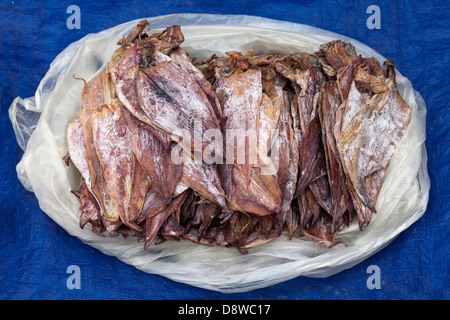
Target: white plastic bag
{"x":40,"y":125}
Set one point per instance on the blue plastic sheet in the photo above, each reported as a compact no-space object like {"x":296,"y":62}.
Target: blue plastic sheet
{"x":37,"y":255}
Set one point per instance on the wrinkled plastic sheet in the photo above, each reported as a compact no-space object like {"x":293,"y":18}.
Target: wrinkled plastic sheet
{"x":40,"y":123}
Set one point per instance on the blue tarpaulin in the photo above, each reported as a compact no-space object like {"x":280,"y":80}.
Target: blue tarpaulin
{"x":37,"y":254}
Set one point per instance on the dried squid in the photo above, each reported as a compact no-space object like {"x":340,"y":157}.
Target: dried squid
{"x":235,"y":150}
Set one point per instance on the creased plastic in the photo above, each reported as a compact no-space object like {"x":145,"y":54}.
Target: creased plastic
{"x":40,"y":124}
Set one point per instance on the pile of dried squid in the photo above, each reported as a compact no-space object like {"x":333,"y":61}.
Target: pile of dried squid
{"x":235,"y":150}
